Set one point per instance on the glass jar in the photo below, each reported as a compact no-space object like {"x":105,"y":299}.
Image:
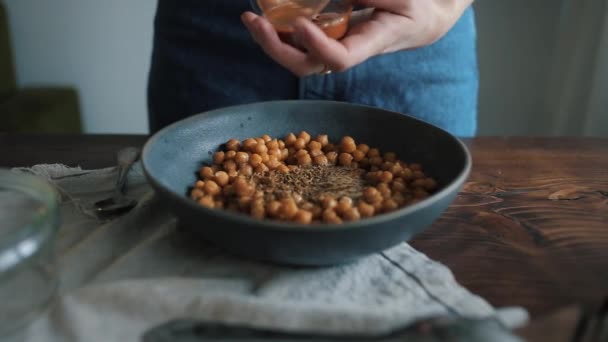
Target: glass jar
{"x":332,"y":16}
{"x":29,"y":219}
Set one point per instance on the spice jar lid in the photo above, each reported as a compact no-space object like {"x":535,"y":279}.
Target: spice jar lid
{"x":29,"y":217}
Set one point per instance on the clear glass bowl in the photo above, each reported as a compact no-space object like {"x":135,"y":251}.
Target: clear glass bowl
{"x":29,"y":219}
{"x":332,"y":16}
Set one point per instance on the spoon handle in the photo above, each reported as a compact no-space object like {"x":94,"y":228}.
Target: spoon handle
{"x":125,"y":158}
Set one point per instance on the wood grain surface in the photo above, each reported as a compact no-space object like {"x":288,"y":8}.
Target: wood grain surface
{"x":530,"y":227}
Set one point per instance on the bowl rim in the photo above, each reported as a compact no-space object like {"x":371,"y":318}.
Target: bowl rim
{"x":286,"y":226}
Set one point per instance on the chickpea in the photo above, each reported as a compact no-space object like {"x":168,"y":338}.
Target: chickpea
{"x":320,"y":160}
{"x":418,"y":183}
{"x":304,"y":160}
{"x":297,"y":197}
{"x":420,"y":193}
{"x":345,"y":159}
{"x":218,"y":158}
{"x":364,"y":163}
{"x":212,"y":188}
{"x":265,"y":157}
{"x":398,"y":185}
{"x":303,"y":216}
{"x":351,"y":214}
{"x":241,"y":157}
{"x":430,"y":184}
{"x":281,"y":144}
{"x":274,"y":152}
{"x":330,"y":148}
{"x":395,"y":169}
{"x":255,"y":160}
{"x":301,"y":153}
{"x":206,"y":172}
{"x":314,"y":146}
{"x":373,"y":152}
{"x":372,"y":195}
{"x":219,"y":204}
{"x":244,"y":202}
{"x":363,"y":148}
{"x":389,"y":205}
{"x":262,"y":168}
{"x":316,"y":212}
{"x":284,"y":153}
{"x":373,"y":176}
{"x":390,"y":156}
{"x":282,"y":168}
{"x":229,"y":165}
{"x":332,"y":157}
{"x":386,"y":166}
{"x":245,"y":170}
{"x":375,"y":161}
{"x":386,"y":177}
{"x":197,"y":193}
{"x":407,"y":174}
{"x":199,"y":184}
{"x":290,"y":139}
{"x":415,"y":167}
{"x":323,"y":139}
{"x":299,"y":144}
{"x":221,"y":178}
{"x":207,"y":201}
{"x":232,"y":174}
{"x":233,"y":145}
{"x":329,"y":202}
{"x":344,"y":204}
{"x":315,"y":153}
{"x":228,"y":190}
{"x":330,"y":216}
{"x":384,"y":190}
{"x":304,"y":135}
{"x":366,"y":210}
{"x":266,"y":137}
{"x":272,"y":164}
{"x":258,"y":195}
{"x":229,"y":155}
{"x":399,"y":199}
{"x":258,"y":211}
{"x":242,"y":187}
{"x":272,"y":208}
{"x":358,"y":155}
{"x":260,"y":148}
{"x":348,"y":145}
{"x":288,"y":208}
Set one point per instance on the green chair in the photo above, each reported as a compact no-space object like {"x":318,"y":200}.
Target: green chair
{"x":33,"y":110}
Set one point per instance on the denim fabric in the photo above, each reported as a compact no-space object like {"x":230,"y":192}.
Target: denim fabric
{"x":204,"y":58}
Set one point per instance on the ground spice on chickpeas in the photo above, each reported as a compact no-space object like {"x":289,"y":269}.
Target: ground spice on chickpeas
{"x":308,"y":180}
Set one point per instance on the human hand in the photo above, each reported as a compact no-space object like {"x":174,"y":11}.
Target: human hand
{"x":388,"y":26}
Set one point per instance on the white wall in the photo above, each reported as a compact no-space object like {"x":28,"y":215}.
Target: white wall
{"x":101,"y":47}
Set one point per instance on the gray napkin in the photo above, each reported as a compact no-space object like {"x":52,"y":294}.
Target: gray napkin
{"x":121,"y":277}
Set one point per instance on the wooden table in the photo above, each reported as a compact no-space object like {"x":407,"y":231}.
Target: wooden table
{"x":530,"y":227}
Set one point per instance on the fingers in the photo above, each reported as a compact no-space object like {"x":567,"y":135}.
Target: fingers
{"x":286,"y":55}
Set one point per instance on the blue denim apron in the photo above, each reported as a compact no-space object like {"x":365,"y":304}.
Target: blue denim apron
{"x":204,"y":58}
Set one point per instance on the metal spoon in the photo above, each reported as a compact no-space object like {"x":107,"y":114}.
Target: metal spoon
{"x":118,"y":203}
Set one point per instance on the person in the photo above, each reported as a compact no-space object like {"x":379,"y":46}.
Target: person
{"x":416,"y":57}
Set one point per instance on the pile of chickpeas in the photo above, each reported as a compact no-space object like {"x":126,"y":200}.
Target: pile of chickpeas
{"x":232,"y":181}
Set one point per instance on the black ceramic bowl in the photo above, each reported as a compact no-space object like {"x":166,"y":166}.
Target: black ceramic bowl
{"x":172,"y":157}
